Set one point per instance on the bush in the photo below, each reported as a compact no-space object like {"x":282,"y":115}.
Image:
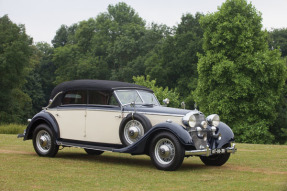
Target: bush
{"x":160,"y":92}
{"x":257,"y":133}
{"x":12,"y":128}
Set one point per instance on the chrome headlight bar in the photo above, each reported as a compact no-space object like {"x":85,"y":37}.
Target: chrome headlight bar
{"x":192,"y":119}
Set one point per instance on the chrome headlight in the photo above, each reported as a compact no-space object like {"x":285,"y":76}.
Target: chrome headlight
{"x":213,"y":120}
{"x":189,"y":120}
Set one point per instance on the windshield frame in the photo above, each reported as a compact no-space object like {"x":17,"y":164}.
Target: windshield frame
{"x":138,"y":95}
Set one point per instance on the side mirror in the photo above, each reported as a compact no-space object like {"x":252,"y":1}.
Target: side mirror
{"x":165,"y":101}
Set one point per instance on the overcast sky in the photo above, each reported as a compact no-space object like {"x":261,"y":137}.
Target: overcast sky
{"x":42,"y":18}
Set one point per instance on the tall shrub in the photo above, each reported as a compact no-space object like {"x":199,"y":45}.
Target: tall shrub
{"x":239,"y":78}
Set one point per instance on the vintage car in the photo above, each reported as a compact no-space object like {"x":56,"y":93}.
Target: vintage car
{"x":100,"y":115}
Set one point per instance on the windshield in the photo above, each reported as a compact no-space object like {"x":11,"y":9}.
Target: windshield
{"x":137,"y":96}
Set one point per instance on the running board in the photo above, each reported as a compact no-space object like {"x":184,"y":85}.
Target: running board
{"x":86,"y":146}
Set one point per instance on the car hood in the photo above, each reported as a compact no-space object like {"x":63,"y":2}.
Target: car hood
{"x":161,"y":110}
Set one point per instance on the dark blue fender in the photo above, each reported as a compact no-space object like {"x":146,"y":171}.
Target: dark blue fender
{"x":227,"y":135}
{"x":42,"y":117}
{"x":141,"y":145}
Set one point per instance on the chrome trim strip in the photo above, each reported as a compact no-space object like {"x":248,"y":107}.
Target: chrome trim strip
{"x":162,"y":114}
{"x":70,"y":108}
{"x":103,"y":109}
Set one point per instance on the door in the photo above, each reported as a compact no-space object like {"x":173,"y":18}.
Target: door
{"x":71,"y":115}
{"x":103,"y":118}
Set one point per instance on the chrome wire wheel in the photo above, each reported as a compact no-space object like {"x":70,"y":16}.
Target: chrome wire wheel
{"x":164,"y":151}
{"x":43,"y":141}
{"x":133,"y":131}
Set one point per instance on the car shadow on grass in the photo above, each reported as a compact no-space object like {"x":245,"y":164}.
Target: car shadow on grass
{"x":142,"y":161}
{"x":123,"y":159}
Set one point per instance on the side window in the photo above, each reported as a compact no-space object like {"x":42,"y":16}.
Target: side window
{"x":98,"y":98}
{"x":75,"y":97}
{"x":113,"y":101}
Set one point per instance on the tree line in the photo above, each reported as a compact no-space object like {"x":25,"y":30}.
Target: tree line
{"x":223,"y":61}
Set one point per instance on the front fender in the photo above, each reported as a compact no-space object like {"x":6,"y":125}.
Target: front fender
{"x":42,"y":117}
{"x":139,"y":147}
{"x":227,"y":135}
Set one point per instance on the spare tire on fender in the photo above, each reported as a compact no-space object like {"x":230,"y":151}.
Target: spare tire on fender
{"x":133,"y":127}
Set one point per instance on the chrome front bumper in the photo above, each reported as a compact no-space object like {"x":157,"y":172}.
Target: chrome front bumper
{"x":207,"y":152}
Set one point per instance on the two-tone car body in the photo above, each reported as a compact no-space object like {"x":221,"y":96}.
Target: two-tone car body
{"x":100,"y":115}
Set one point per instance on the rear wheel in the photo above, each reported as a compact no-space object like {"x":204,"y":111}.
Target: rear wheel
{"x":166,"y":152}
{"x":216,"y":160}
{"x":44,"y":141}
{"x":93,"y":152}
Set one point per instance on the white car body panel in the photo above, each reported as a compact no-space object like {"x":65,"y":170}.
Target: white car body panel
{"x":69,"y":127}
{"x":98,"y":125}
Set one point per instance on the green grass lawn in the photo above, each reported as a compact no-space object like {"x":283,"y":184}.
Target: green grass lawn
{"x":253,"y":167}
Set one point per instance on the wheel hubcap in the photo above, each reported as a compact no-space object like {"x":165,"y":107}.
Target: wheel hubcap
{"x":43,"y":141}
{"x":164,"y":151}
{"x":133,"y":131}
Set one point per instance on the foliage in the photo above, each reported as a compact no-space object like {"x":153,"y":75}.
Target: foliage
{"x":173,"y":63}
{"x":220,"y":60}
{"x":110,"y":46}
{"x":160,"y":92}
{"x":41,"y":77}
{"x":15,"y":53}
{"x":278,"y":39}
{"x":279,"y":128}
{"x":239,"y":78}
{"x":256,"y":133}
{"x":12,"y":128}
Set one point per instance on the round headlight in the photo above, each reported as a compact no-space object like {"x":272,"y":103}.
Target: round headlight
{"x":189,"y":119}
{"x":213,"y":120}
{"x":192,"y":121}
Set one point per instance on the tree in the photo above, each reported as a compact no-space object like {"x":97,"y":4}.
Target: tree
{"x":173,"y":62}
{"x":239,"y":78}
{"x":278,"y":39}
{"x":41,"y":77}
{"x":15,"y":53}
{"x":160,"y":92}
{"x":111,"y":46}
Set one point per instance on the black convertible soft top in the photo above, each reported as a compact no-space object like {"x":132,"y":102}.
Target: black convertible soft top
{"x":100,"y":85}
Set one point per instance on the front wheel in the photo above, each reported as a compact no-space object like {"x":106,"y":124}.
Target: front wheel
{"x":216,"y":160}
{"x":166,"y":151}
{"x":44,"y":141}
